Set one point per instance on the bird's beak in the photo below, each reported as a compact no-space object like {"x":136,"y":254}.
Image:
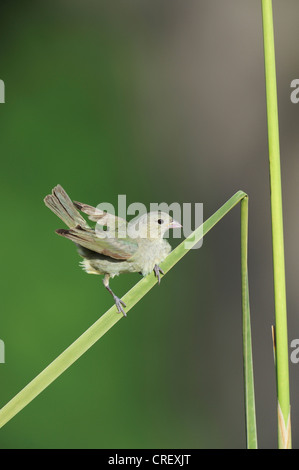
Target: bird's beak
{"x":174,"y":224}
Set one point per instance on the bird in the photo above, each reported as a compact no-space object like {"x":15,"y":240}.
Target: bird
{"x":114,"y":246}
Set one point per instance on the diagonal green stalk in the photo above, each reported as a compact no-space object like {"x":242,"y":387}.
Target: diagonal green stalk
{"x":250,"y":414}
{"x":107,"y":320}
{"x":281,"y":335}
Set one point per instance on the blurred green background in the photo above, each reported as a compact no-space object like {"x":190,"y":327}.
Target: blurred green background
{"x":161,"y":101}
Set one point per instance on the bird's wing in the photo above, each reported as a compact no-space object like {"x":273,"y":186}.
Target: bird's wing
{"x":102,"y":218}
{"x":117,"y":248}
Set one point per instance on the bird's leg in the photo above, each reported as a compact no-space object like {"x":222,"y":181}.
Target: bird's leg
{"x":157,"y":271}
{"x":117,"y":300}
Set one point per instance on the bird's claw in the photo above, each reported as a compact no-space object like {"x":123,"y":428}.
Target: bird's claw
{"x":157,"y":271}
{"x":119,"y":303}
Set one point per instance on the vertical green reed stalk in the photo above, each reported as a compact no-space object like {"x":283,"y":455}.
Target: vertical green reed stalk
{"x":250,"y":414}
{"x":281,"y":336}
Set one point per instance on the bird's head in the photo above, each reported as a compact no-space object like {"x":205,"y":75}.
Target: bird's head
{"x":153,"y":225}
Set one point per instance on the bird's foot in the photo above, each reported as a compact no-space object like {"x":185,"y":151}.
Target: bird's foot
{"x":119,"y":303}
{"x":157,"y":271}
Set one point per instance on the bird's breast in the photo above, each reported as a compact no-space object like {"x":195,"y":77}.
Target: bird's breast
{"x":150,"y":253}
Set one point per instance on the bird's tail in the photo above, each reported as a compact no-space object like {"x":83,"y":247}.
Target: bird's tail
{"x":60,"y":203}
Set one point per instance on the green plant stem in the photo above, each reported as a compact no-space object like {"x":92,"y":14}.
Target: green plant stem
{"x":282,"y":359}
{"x":107,"y":320}
{"x":250,"y":413}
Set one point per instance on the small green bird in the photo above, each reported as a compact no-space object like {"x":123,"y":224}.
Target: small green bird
{"x":117,"y":246}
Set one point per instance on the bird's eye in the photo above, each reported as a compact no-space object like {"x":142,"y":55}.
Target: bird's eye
{"x":160,"y":221}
